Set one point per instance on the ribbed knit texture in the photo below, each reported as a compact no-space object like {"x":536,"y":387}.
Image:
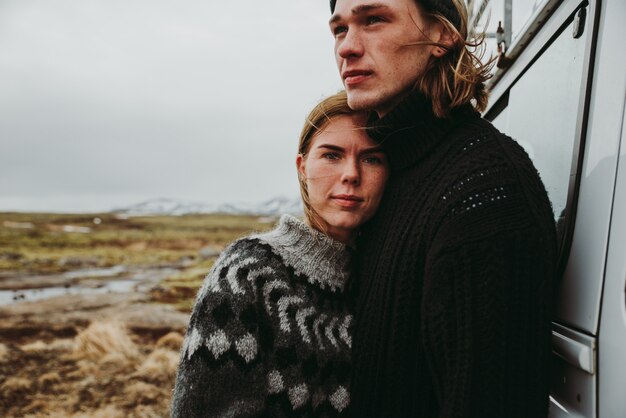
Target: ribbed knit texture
{"x":454,"y":274}
{"x":270,"y":331}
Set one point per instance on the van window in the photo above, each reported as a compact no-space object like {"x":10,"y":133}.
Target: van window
{"x":486,"y":15}
{"x":522,"y":12}
{"x":542,"y":114}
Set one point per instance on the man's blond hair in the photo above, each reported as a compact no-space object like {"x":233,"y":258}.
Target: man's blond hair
{"x":458,"y":77}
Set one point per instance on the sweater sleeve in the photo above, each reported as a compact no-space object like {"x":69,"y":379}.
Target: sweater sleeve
{"x":221,"y":370}
{"x":486,"y":324}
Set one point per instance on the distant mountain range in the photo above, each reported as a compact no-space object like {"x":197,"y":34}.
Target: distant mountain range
{"x":164,"y":206}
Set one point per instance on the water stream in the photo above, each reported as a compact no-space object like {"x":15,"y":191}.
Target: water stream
{"x":117,"y":279}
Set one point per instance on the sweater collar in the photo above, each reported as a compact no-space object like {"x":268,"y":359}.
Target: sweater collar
{"x":411,"y":130}
{"x":323,"y":260}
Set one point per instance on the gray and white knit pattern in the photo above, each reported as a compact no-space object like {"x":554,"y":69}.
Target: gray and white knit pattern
{"x":311,"y":253}
{"x":269,"y":333}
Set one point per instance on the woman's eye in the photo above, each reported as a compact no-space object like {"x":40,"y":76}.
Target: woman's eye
{"x":373,"y":160}
{"x":330,"y":156}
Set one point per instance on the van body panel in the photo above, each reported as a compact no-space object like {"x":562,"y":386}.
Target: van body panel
{"x":548,"y":90}
{"x":579,"y":294}
{"x":612,"y":336}
{"x":576,"y":348}
{"x":588,"y":373}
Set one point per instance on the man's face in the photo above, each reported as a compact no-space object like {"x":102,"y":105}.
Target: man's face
{"x":374,"y":52}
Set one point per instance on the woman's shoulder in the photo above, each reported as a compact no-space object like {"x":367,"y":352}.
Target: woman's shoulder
{"x":249,"y":248}
{"x":226,"y":308}
{"x":270,"y":244}
{"x":312,"y":254}
{"x":238,"y":265}
{"x":291,"y":248}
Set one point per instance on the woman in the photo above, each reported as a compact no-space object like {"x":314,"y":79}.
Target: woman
{"x":269,"y":334}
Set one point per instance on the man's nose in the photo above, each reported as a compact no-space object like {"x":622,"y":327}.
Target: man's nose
{"x":351,"y":173}
{"x":350,"y":46}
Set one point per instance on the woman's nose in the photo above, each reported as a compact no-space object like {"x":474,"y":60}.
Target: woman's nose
{"x":351,"y":173}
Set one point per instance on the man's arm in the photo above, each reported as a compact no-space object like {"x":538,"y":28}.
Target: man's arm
{"x":486,"y":324}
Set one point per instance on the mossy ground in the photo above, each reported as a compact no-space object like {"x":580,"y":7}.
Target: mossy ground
{"x":45,"y":247}
{"x":45,"y":369}
{"x":39,"y":243}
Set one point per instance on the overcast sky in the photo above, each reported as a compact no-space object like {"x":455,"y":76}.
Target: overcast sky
{"x":106,"y":103}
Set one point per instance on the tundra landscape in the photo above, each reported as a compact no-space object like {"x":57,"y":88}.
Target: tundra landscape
{"x":93,"y":308}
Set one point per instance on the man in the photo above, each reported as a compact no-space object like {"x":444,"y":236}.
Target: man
{"x":455,"y":271}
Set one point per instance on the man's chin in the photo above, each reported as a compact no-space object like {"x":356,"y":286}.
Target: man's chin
{"x":365,"y":101}
{"x":362,"y":102}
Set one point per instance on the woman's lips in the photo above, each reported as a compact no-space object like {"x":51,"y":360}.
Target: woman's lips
{"x":347,"y":201}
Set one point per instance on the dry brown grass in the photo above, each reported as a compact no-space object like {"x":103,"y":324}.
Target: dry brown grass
{"x":37,"y":406}
{"x":47,"y":380}
{"x":160,"y":366}
{"x":62,"y":345}
{"x":138,"y":240}
{"x":105,"y":370}
{"x":15,"y":387}
{"x":84,"y":368}
{"x":109,"y":411}
{"x":141,"y":393}
{"x":101,"y":372}
{"x":37,"y":347}
{"x":172,"y":340}
{"x":4,"y":353}
{"x":105,"y":341}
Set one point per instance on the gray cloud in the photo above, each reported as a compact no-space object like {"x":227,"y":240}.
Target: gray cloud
{"x":103,"y":103}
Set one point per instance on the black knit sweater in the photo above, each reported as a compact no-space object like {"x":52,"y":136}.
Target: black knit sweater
{"x":270,"y":332}
{"x":452,"y":315}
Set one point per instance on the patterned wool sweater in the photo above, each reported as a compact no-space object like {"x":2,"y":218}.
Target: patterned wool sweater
{"x":269,"y":334}
{"x":452,"y":317}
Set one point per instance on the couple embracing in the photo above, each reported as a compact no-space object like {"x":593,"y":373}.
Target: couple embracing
{"x":419,"y":282}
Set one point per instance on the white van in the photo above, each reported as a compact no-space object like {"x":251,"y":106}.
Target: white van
{"x":562,"y":97}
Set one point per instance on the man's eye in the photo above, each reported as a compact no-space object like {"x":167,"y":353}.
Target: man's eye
{"x":338,"y":30}
{"x":374,"y":19}
{"x":330,"y":156}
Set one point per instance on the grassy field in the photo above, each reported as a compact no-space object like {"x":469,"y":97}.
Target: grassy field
{"x":46,"y":243}
{"x":53,"y":243}
{"x":110,"y":355}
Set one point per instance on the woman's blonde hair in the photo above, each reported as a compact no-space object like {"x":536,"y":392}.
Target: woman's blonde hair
{"x":459,"y":76}
{"x":321,"y":115}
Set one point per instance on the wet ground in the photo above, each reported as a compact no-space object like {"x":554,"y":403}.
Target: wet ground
{"x":117,"y":279}
{"x":43,"y":320}
{"x":88,"y":328}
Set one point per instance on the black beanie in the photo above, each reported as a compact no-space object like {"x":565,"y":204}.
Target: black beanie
{"x":444,"y":7}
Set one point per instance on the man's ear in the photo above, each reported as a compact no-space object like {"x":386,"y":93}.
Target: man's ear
{"x":441,"y":35}
{"x":300,"y":164}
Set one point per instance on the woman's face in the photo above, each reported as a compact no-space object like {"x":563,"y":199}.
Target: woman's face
{"x":345,"y":173}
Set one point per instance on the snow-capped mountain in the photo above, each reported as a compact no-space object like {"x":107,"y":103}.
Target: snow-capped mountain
{"x":275,"y":206}
{"x":164,"y":206}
